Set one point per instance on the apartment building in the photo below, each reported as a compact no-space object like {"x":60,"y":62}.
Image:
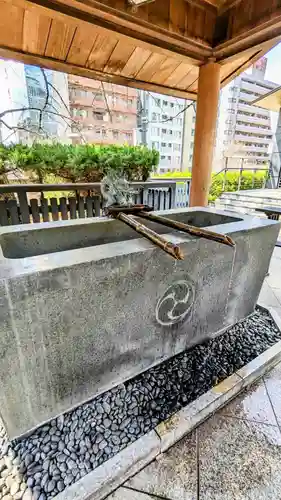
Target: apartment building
{"x":104,"y":113}
{"x":161,"y":121}
{"x":188,"y":135}
{"x":23,"y":87}
{"x":244,"y":131}
{"x":53,"y":123}
{"x":13,"y":95}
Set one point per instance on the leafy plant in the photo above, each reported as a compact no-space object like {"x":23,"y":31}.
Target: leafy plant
{"x":250,"y":179}
{"x":78,"y":163}
{"x":230,"y":182}
{"x":173,"y":175}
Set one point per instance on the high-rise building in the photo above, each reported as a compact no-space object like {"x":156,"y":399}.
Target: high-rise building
{"x":23,"y":88}
{"x":104,"y":113}
{"x":161,"y":127}
{"x":48,"y":90}
{"x":244,"y":133}
{"x":50,"y":87}
{"x":13,"y":95}
{"x":188,"y":135}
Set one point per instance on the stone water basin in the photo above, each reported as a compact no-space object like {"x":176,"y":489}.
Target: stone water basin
{"x":87,"y":304}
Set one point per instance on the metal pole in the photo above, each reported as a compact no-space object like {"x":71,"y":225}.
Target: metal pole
{"x":142,"y":109}
{"x":225,"y":172}
{"x":253,"y":177}
{"x":240,"y":174}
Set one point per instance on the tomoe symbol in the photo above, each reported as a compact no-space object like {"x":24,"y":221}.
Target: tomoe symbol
{"x":175,"y":304}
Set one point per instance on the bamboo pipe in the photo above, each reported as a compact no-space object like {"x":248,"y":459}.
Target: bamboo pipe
{"x":186,"y":228}
{"x":167,"y":246}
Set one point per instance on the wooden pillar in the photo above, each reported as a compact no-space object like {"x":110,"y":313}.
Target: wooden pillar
{"x":205,"y":133}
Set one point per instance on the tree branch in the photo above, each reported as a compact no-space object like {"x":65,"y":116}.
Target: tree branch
{"x":17,"y":127}
{"x":46,"y":98}
{"x":106,"y":102}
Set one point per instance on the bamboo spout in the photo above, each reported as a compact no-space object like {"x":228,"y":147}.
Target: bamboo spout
{"x":167,"y":246}
{"x":186,"y":228}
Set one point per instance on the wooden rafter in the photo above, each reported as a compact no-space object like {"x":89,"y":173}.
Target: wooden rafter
{"x":159,"y":46}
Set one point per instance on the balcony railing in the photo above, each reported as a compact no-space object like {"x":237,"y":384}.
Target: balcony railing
{"x":253,"y":139}
{"x":251,"y":109}
{"x":243,"y":167}
{"x":17,"y":206}
{"x":253,"y":119}
{"x":249,"y":128}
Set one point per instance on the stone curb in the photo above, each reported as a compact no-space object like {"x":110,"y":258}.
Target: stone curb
{"x":104,"y":479}
{"x":98,"y":484}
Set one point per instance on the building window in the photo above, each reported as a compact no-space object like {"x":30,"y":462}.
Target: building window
{"x":169,"y":159}
{"x":115,"y":134}
{"x":193,"y":119}
{"x":232,"y":99}
{"x":164,"y":131}
{"x":98,"y":116}
{"x":155,"y":117}
{"x":169,"y":144}
{"x":192,"y":132}
{"x":165,"y":103}
{"x":103,"y":132}
{"x":82,"y":112}
{"x":155,"y":131}
{"x":96,"y":97}
{"x":227,"y":132}
{"x":128,"y":136}
{"x":130,"y":102}
{"x":162,"y":157}
{"x":177,"y":147}
{"x":155,"y":145}
{"x":157,"y":101}
{"x":190,"y":157}
{"x":163,"y":144}
{"x":231,"y":111}
{"x":171,"y":104}
{"x":170,"y":132}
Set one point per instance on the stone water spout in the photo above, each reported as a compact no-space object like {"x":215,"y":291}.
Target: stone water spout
{"x":86,"y":304}
{"x":118,"y":198}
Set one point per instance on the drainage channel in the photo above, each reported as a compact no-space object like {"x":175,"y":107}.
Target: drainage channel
{"x":61,"y":452}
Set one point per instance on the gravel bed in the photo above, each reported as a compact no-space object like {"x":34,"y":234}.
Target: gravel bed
{"x":61,"y":452}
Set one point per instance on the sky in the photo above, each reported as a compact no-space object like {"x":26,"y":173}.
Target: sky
{"x":273,"y":74}
{"x":273,"y":69}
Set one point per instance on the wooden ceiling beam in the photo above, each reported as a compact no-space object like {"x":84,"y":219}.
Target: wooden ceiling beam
{"x":217,"y":6}
{"x":194,"y":50}
{"x":54,"y":64}
{"x":242,"y":67}
{"x":211,"y":5}
{"x":268,"y":31}
{"x":227,"y":5}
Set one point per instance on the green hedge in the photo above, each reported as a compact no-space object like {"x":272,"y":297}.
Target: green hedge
{"x":80,"y":163}
{"x":173,"y":175}
{"x":250,"y":179}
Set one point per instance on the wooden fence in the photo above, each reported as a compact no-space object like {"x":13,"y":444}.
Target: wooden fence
{"x":23,"y":209}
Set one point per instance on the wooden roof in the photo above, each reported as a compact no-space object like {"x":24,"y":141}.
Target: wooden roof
{"x":158,"y":46}
{"x":271,"y":100}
